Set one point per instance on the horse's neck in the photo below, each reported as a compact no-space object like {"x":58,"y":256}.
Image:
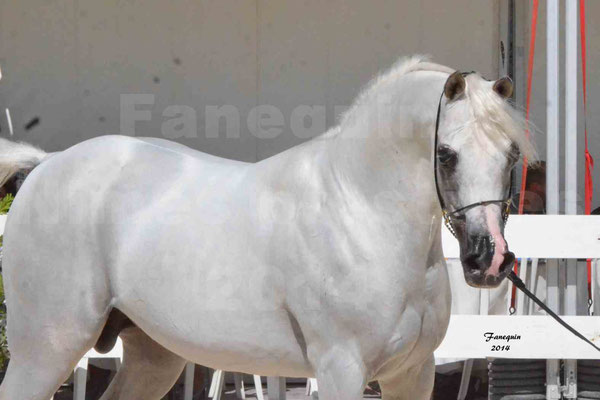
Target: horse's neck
{"x":388,"y":149}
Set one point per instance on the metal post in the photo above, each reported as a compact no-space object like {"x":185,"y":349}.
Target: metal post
{"x":595,"y":286}
{"x":276,"y":387}
{"x":552,"y":172}
{"x":571,"y":108}
{"x":258,"y":387}
{"x":552,"y":103}
{"x":464,"y":381}
{"x":188,"y":386}
{"x":80,"y":379}
{"x":520,"y":304}
{"x":522,"y":10}
{"x":505,"y":34}
{"x":571,"y":306}
{"x":534,"y":283}
{"x":240,"y":392}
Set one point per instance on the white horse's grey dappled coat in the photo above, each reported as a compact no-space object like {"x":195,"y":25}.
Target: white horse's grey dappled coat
{"x":324,"y":260}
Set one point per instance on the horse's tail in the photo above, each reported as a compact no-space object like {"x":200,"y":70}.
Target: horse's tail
{"x":17,"y":160}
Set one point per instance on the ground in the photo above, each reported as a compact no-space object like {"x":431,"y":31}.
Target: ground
{"x":446,"y":388}
{"x":294,"y":392}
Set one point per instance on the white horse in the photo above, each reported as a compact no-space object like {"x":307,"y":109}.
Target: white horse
{"x":324,"y":260}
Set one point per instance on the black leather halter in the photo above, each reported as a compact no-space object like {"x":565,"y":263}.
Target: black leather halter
{"x":450,"y":215}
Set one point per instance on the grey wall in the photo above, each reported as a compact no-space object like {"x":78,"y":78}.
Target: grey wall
{"x":68,"y":61}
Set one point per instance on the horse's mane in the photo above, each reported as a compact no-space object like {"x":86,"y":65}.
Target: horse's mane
{"x":385,"y":81}
{"x":496,"y":118}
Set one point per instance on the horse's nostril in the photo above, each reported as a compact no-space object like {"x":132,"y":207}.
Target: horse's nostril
{"x":509,"y":259}
{"x":479,"y":253}
{"x":472,"y":261}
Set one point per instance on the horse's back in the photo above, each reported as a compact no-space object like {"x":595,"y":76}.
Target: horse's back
{"x":87,"y":196}
{"x":107,"y":164}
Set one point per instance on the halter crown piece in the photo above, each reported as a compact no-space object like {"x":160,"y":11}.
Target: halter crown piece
{"x":449,"y":216}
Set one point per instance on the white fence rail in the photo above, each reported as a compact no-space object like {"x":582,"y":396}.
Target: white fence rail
{"x":538,"y":337}
{"x":530,"y":236}
{"x":545,"y":236}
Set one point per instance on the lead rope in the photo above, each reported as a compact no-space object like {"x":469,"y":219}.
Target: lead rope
{"x":519,"y":283}
{"x":534,"y":16}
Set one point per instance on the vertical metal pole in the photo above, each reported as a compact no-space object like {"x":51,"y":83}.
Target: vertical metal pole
{"x":595,"y":286}
{"x":276,"y":387}
{"x":520,"y":300}
{"x":570,"y":370}
{"x":571,"y":108}
{"x":534,"y":282}
{"x":240,"y":390}
{"x":522,"y":11}
{"x":465,"y":379}
{"x":552,"y":172}
{"x":258,"y":387}
{"x":188,"y":386}
{"x":80,"y":379}
{"x":552,"y":112}
{"x":505,"y":38}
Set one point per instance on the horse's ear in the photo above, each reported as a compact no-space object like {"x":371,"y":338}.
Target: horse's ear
{"x":504,"y":87}
{"x":455,"y":86}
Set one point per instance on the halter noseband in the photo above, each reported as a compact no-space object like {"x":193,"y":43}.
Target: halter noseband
{"x":449,"y":216}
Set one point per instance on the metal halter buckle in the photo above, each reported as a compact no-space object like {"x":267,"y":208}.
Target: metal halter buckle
{"x":448,"y":222}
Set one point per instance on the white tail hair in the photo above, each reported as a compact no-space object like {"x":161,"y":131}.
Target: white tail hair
{"x":18,"y":156}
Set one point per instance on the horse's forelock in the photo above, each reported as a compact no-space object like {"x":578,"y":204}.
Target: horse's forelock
{"x":496,"y":118}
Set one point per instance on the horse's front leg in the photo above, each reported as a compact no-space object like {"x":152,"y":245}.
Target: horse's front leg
{"x":340,"y":375}
{"x":414,"y":384}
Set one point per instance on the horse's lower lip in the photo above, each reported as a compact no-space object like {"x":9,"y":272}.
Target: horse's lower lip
{"x":479,"y":279}
{"x":485,"y":283}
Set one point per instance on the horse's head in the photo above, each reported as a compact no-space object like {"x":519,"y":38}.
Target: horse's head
{"x":478,"y":141}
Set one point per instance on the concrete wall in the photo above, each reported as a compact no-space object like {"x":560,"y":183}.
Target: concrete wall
{"x":68,"y":62}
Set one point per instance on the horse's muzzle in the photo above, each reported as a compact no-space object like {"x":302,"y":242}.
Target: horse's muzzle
{"x":476,"y":257}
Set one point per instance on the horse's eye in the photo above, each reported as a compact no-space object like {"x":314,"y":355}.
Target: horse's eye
{"x":447,"y":157}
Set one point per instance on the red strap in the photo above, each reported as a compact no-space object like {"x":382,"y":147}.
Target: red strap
{"x":527,"y":108}
{"x":589,"y":161}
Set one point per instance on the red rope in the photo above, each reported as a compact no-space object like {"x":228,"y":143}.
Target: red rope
{"x":589,"y":161}
{"x":534,"y":17}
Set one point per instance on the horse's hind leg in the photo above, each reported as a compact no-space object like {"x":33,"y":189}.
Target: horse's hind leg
{"x":43,"y":353}
{"x":148,"y":370}
{"x":38,"y":376}
{"x":57,"y":303}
